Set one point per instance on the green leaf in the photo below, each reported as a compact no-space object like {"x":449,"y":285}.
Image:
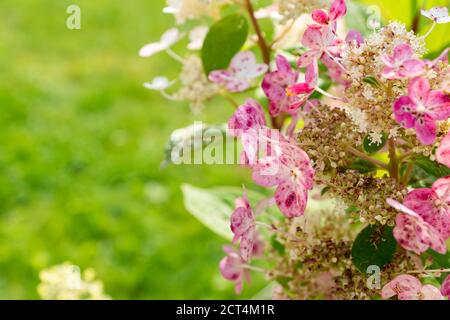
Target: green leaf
{"x":442,"y":260}
{"x":277,"y":245}
{"x":371,"y":147}
{"x":372,"y":81}
{"x":374,"y":245}
{"x":431,"y":167}
{"x":213,"y":207}
{"x":362,"y":166}
{"x":224,"y":39}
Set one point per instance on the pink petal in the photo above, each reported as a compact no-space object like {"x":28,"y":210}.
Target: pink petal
{"x":403,"y":52}
{"x":299,"y":88}
{"x":241,"y":221}
{"x":401,"y":284}
{"x":426,"y":130}
{"x":354,"y":35}
{"x":430,"y":292}
{"x":283,"y":64}
{"x":390,"y":73}
{"x":418,"y":89}
{"x":403,"y":111}
{"x":420,"y":200}
{"x":220,"y":76}
{"x":291,"y":200}
{"x":445,"y":288}
{"x":438,"y":105}
{"x":405,"y":234}
{"x":248,"y":116}
{"x":320,"y":16}
{"x":237,"y":85}
{"x":312,"y":38}
{"x":312,"y":74}
{"x":242,"y":60}
{"x":247,"y":243}
{"x":308,"y":57}
{"x":442,"y":188}
{"x":443,"y":151}
{"x":338,"y":9}
{"x":269,"y":172}
{"x":412,"y":68}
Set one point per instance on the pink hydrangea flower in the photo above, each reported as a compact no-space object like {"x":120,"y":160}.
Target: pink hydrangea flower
{"x":243,"y":226}
{"x":433,"y":205}
{"x":413,"y":233}
{"x":320,"y":42}
{"x":443,"y":151}
{"x":338,"y":9}
{"x":445,"y":288}
{"x":437,"y":14}
{"x":243,"y":69}
{"x":292,"y":173}
{"x":407,"y":287}
{"x":421,"y":108}
{"x":275,"y":84}
{"x":231,"y":269}
{"x":305,"y":89}
{"x":402,"y":64}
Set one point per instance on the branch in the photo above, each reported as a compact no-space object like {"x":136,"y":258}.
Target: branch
{"x":264,"y":47}
{"x":364,"y":156}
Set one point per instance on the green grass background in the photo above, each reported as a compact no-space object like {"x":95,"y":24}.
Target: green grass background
{"x":81,"y":142}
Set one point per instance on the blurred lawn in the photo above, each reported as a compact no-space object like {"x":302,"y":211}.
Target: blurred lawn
{"x":81,"y":143}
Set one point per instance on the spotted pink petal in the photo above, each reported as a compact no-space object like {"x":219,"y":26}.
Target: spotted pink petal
{"x":244,"y":66}
{"x":248,"y":116}
{"x":269,"y":172}
{"x":312,"y":38}
{"x":426,"y":130}
{"x":405,"y":234}
{"x":403,"y":111}
{"x":230,"y":268}
{"x":220,"y":76}
{"x":413,"y":233}
{"x":443,"y":151}
{"x":338,"y":9}
{"x":399,"y":285}
{"x":291,"y":199}
{"x":308,"y":57}
{"x":247,"y":244}
{"x":242,"y":219}
{"x":420,"y":200}
{"x":320,"y":16}
{"x":312,"y":74}
{"x":445,"y":288}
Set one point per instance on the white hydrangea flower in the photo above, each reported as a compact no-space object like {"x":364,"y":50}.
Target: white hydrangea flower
{"x":65,"y":282}
{"x":158,"y":84}
{"x":197,"y":37}
{"x":169,"y":38}
{"x":192,"y":9}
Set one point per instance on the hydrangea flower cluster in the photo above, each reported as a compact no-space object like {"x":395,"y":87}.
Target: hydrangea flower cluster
{"x":355,"y":156}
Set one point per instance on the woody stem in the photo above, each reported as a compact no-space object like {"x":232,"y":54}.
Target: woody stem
{"x":364,"y":156}
{"x":264,"y":47}
{"x":393,"y":163}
